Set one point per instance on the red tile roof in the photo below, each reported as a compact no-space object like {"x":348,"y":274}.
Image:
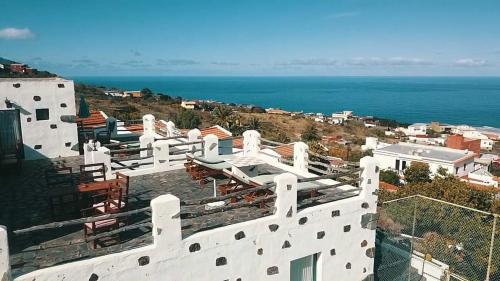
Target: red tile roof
{"x":135,"y":128}
{"x":95,"y":120}
{"x":221,"y":134}
{"x":285,"y":150}
{"x":387,"y":186}
{"x":238,"y":143}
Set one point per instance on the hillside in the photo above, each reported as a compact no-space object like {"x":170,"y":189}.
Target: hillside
{"x":7,"y":72}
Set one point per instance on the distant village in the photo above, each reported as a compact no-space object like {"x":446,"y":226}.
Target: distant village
{"x":464,"y":151}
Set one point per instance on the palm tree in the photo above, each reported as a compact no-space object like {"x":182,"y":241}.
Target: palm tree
{"x":223,"y":116}
{"x":254,"y":124}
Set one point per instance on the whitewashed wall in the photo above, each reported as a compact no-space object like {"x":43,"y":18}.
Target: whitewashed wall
{"x":341,"y":232}
{"x":55,"y":137}
{"x":389,"y":162}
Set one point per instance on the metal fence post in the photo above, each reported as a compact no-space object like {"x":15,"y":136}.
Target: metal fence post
{"x":412,"y":235}
{"x":488,"y":270}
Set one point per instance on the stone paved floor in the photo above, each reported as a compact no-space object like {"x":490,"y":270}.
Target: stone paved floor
{"x":24,"y":203}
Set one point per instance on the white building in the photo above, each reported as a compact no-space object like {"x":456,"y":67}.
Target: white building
{"x":399,"y":156}
{"x":113,"y":93}
{"x":486,"y":143}
{"x":416,"y":129}
{"x":372,"y":143}
{"x":44,"y":109}
{"x":481,"y":177}
{"x":344,"y":115}
{"x":188,"y":104}
{"x":297,"y":240}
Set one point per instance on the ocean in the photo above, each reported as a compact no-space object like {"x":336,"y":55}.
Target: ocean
{"x":453,"y":100}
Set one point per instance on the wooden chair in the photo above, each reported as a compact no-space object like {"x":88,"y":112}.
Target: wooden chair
{"x":62,"y":194}
{"x":91,"y":229}
{"x":116,"y":196}
{"x":92,"y":172}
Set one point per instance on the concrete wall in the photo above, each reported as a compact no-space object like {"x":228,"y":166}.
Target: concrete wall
{"x":342,"y":233}
{"x":54,"y":136}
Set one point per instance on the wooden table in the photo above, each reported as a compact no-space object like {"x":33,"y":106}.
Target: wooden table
{"x":98,"y":185}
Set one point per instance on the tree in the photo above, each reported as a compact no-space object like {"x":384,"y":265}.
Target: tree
{"x":84,"y":111}
{"x":147,"y":93}
{"x":443,"y":173}
{"x":417,"y":172}
{"x":254,"y":124}
{"x":389,"y":176}
{"x":188,"y":119}
{"x":310,"y":134}
{"x":223,"y":116}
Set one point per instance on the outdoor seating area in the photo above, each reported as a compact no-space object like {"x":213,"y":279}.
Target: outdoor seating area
{"x":100,"y":203}
{"x":73,"y":199}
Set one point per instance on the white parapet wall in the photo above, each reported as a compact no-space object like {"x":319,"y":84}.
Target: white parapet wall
{"x":4,"y":255}
{"x":43,"y":104}
{"x":340,"y":234}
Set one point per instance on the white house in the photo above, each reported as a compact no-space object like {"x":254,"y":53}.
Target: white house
{"x":333,"y":239}
{"x":399,"y":156}
{"x":344,"y":115}
{"x":188,"y":104}
{"x":44,"y":110}
{"x":486,"y":143}
{"x":417,"y":129}
{"x":372,"y":143}
{"x":482,"y":177}
{"x":113,"y":93}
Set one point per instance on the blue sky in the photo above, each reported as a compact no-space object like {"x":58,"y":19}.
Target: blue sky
{"x":268,"y":37}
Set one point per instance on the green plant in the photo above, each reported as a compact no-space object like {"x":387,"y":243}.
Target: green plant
{"x":417,"y":172}
{"x":389,"y":176}
{"x":223,"y":116}
{"x":310,"y":134}
{"x":187,"y":119}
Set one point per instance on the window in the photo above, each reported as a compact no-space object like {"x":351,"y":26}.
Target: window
{"x":37,"y":98}
{"x":17,"y":85}
{"x":42,"y":114}
{"x":403,"y":165}
{"x":304,"y":269}
{"x":38,"y":146}
{"x":60,"y":85}
{"x":465,"y":166}
{"x":456,"y":170}
{"x":397,"y":165}
{"x":63,"y":105}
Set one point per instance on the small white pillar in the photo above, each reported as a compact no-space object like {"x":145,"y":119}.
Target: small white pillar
{"x":369,"y":181}
{"x":195,"y":135}
{"x":166,"y":225}
{"x":300,"y":156}
{"x":103,"y":155}
{"x":88,"y":149}
{"x":146,"y":141}
{"x":161,"y":155}
{"x":171,"y":129}
{"x":4,"y":255}
{"x":286,"y":195}
{"x":251,"y":143}
{"x":211,"y":147}
{"x":148,"y":122}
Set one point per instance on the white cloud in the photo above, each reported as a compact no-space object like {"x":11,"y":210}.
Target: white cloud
{"x":470,"y":62}
{"x":16,"y":33}
{"x":313,"y":62}
{"x":393,"y":61}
